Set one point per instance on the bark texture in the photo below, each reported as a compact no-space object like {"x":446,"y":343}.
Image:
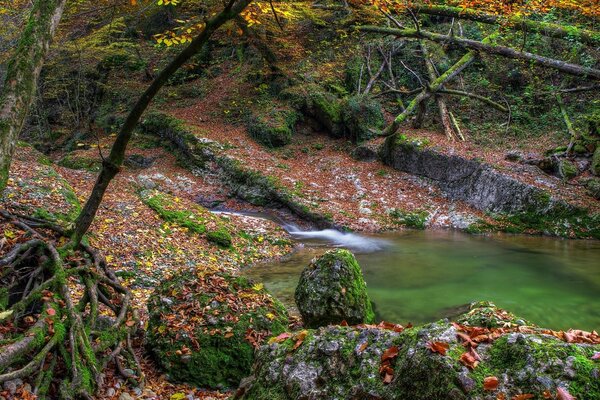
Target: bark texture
{"x":22,"y":74}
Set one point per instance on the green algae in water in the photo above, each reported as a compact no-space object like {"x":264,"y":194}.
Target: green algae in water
{"x":424,"y":276}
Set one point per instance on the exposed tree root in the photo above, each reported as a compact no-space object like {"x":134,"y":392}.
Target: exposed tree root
{"x":66,"y":315}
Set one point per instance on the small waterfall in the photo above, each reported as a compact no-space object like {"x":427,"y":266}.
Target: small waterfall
{"x":332,"y":237}
{"x":347,"y":240}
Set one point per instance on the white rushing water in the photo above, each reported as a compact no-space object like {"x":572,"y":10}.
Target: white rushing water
{"x":348,"y":240}
{"x":331,"y":237}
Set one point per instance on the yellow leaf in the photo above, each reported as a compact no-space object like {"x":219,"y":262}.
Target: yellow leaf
{"x":178,"y":396}
{"x":162,"y":329}
{"x":271,"y":316}
{"x":5,"y":314}
{"x":9,"y":234}
{"x":258,"y":287}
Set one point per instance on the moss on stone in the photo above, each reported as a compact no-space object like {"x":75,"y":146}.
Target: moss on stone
{"x":221,"y":237}
{"x":73,"y":161}
{"x":567,"y":169}
{"x":215,"y":349}
{"x":332,"y":289}
{"x":362,"y":117}
{"x":273,"y":129}
{"x":416,"y":220}
{"x":323,"y":367}
{"x":595,"y":166}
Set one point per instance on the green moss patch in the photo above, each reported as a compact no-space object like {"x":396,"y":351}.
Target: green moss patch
{"x":274,"y":128}
{"x":204,"y":327}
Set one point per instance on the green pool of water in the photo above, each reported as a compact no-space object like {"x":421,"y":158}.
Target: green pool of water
{"x":422,"y":276}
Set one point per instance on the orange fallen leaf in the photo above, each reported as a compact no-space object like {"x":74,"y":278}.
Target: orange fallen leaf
{"x":300,"y":336}
{"x":563,"y":394}
{"x":438,"y":347}
{"x":280,"y":338}
{"x":490,"y":383}
{"x":523,"y":396}
{"x":390,"y":353}
{"x":363,"y":347}
{"x":468,"y":360}
{"x":388,"y":378}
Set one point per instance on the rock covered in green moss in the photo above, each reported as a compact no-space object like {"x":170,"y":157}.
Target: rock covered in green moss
{"x":362,"y":117}
{"x":593,"y":187}
{"x":332,"y":290}
{"x":275,"y":128}
{"x":338,"y":362}
{"x":595,"y":166}
{"x":567,"y":169}
{"x":203,"y":327}
{"x":221,"y":237}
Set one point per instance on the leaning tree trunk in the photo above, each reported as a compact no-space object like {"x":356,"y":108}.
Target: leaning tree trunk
{"x":434,"y":86}
{"x":22,"y":74}
{"x":441,"y":103}
{"x":112,"y":164}
{"x":504,"y":51}
{"x":567,"y":32}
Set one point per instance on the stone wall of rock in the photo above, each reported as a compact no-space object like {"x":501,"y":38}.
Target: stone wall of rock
{"x":471,"y":181}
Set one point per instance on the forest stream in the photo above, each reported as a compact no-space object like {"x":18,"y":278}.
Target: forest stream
{"x":420,"y":276}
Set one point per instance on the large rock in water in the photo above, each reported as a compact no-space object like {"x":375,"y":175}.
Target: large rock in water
{"x":428,"y":362}
{"x":204,"y":327}
{"x":332,"y":290}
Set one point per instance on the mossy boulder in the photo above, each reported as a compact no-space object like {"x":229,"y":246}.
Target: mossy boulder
{"x":595,"y":166}
{"x":274,"y":129}
{"x":362,"y":116}
{"x":593,"y":187}
{"x":317,"y":104}
{"x":75,"y":161}
{"x":332,"y":290}
{"x":203,"y":327}
{"x":221,"y":237}
{"x":193,"y":150}
{"x":567,"y":169}
{"x":342,"y":362}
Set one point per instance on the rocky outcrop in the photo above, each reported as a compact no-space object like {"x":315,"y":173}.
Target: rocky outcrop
{"x":332,"y":290}
{"x":203,"y":327}
{"x":471,"y":181}
{"x":488,"y":354}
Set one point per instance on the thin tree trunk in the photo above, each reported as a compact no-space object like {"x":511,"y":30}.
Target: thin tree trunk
{"x":562,"y":66}
{"x":22,"y":75}
{"x":572,"y":133}
{"x":441,"y":103}
{"x":112,"y":165}
{"x":483,"y":99}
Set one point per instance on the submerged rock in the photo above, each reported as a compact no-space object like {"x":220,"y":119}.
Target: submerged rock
{"x":332,"y":290}
{"x":337,"y":362}
{"x":203,"y":328}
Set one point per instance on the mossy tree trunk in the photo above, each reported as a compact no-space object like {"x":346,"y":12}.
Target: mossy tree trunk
{"x":504,"y":51}
{"x":22,"y":74}
{"x":549,"y":29}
